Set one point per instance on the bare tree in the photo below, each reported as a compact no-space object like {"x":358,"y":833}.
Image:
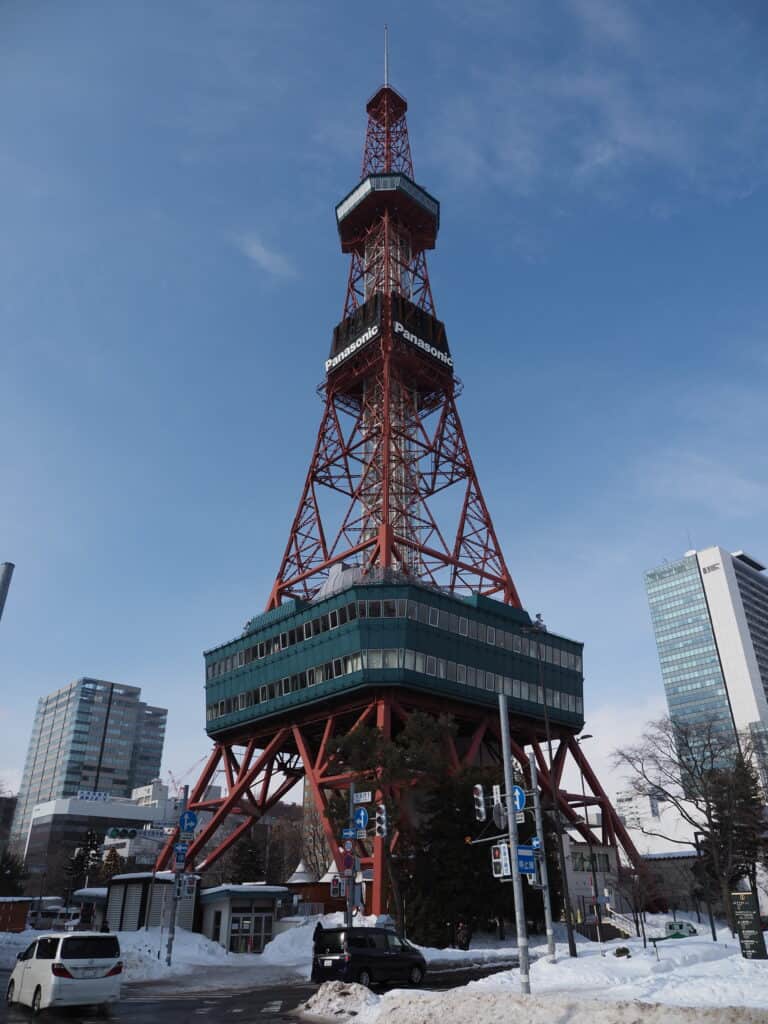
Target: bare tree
{"x":708,"y":777}
{"x":315,"y":851}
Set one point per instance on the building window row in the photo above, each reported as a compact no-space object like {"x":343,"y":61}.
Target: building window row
{"x":582,"y":861}
{"x":396,"y":659}
{"x":400,"y":608}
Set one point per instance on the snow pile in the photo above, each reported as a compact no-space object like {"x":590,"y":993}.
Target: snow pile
{"x":339,"y":998}
{"x":461,"y":1006}
{"x":474,"y":955}
{"x":293,"y":948}
{"x":688,"y":972}
{"x":143,"y":954}
{"x":12,"y":943}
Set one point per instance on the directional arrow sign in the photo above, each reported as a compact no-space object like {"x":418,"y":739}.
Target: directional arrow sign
{"x":518,"y":797}
{"x":361,"y":817}
{"x":188,"y":821}
{"x":347,"y":833}
{"x":536,"y":843}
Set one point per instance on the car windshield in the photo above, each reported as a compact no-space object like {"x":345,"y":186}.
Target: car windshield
{"x":330,"y":942}
{"x":90,"y":947}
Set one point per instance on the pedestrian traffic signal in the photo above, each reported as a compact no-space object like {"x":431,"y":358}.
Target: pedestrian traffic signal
{"x":478,"y":794}
{"x":496,"y":867}
{"x":381,"y":820}
{"x":335,"y":888}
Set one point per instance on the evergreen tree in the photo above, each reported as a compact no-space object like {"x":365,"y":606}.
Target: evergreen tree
{"x":113,"y":864}
{"x":437,"y":877}
{"x":248,"y":857}
{"x":12,"y":876}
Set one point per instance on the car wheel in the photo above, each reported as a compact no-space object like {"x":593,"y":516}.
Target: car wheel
{"x":37,"y":998}
{"x":364,"y":977}
{"x":415,"y":975}
{"x":9,"y":993}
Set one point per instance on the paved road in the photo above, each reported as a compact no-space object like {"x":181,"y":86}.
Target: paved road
{"x":256,"y":1006}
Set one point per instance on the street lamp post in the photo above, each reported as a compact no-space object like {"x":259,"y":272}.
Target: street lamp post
{"x":706,"y":890}
{"x":598,"y":916}
{"x":530,"y":631}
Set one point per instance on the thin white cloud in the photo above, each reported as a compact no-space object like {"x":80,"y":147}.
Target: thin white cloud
{"x":633,"y":91}
{"x":613,"y":726}
{"x":606,"y":20}
{"x":269,"y":260}
{"x":692,"y":478}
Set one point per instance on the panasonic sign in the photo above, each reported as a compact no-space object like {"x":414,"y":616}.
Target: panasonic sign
{"x":420,"y":343}
{"x":353,"y":346}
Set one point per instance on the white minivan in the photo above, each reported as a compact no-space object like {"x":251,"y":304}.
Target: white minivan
{"x":82,"y":969}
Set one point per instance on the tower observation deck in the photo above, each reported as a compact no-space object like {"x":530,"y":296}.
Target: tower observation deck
{"x":392,"y":594}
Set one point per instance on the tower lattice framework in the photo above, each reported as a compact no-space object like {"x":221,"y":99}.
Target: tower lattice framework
{"x":390,"y":437}
{"x":392,"y":494}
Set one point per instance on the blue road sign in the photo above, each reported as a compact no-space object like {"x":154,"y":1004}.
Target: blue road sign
{"x":526,"y":860}
{"x":188,"y":821}
{"x":536,"y":843}
{"x":181,"y":847}
{"x":347,"y":833}
{"x":518,"y":795}
{"x":361,"y":817}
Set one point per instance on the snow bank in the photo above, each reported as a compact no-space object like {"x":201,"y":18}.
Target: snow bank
{"x":143,"y":954}
{"x":464,"y":1007}
{"x":340,"y":998}
{"x":12,"y":943}
{"x":688,"y":972}
{"x":693,"y":980}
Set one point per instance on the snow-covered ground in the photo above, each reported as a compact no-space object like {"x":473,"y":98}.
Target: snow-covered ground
{"x":288,"y":955}
{"x":692,"y":980}
{"x":465,"y":1006}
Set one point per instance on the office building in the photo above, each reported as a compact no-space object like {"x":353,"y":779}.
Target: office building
{"x":58,"y":827}
{"x":710,"y":616}
{"x":90,"y":737}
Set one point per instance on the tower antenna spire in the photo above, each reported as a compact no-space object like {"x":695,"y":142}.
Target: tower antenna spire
{"x":386,"y":55}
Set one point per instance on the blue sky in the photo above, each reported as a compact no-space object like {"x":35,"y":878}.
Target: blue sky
{"x":171,"y":275}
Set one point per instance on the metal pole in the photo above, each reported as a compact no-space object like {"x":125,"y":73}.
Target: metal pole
{"x":556,"y":811}
{"x":706,"y":889}
{"x":598,"y":917}
{"x":177,"y":875}
{"x":543,"y":860}
{"x":517,"y":882}
{"x":349,"y":880}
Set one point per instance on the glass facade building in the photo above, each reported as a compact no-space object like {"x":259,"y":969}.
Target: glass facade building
{"x":90,"y":735}
{"x":710,"y":617}
{"x":690,"y":665}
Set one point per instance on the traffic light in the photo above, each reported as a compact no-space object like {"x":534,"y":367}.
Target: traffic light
{"x":478,"y":794}
{"x":335,"y":888}
{"x":496,"y":867}
{"x":381,"y":820}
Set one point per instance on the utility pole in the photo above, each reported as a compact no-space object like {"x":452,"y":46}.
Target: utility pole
{"x":350,"y":878}
{"x":546,"y":895}
{"x":555,"y":807}
{"x":517,"y":882}
{"x":595,"y":893}
{"x":178,"y":874}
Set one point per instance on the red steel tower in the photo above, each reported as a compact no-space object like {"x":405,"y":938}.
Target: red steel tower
{"x":392,"y":594}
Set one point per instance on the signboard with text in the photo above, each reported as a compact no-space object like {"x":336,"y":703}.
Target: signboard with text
{"x":747,"y":916}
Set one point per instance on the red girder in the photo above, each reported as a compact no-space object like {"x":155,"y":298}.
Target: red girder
{"x":390,"y":441}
